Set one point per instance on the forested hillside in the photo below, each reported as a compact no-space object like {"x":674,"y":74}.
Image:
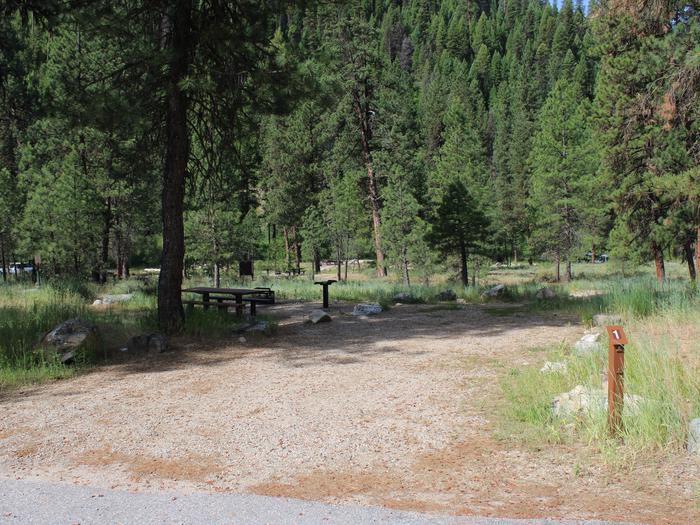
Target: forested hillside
{"x":426,"y":135}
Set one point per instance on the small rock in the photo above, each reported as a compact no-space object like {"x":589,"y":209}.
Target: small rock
{"x":70,"y":337}
{"x":259,"y":327}
{"x":583,"y":399}
{"x":588,"y":343}
{"x":553,"y":366}
{"x":447,"y":295}
{"x":97,"y":302}
{"x":117,"y":298}
{"x":242,"y":339}
{"x":606,"y":319}
{"x":367,"y":309}
{"x":494,"y":291}
{"x":148,"y":343}
{"x":319,"y":316}
{"x":405,"y":297}
{"x":545,"y":293}
{"x":694,"y":436}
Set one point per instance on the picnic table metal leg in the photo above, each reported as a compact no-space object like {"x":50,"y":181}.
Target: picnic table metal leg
{"x":252,"y":308}
{"x":325,"y":296}
{"x":239,"y":305}
{"x":205,"y":300}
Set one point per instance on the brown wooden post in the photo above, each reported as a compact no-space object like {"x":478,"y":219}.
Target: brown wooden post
{"x":616,"y":364}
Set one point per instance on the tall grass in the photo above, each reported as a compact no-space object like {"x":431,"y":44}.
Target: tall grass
{"x":658,"y":367}
{"x":26,"y":314}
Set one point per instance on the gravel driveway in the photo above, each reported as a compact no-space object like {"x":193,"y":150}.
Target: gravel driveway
{"x":397,"y":410}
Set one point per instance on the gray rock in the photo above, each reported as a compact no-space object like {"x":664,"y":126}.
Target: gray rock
{"x":447,"y":295}
{"x":117,"y":298}
{"x":366,"y":309}
{"x":97,"y":302}
{"x":319,"y":316}
{"x":606,"y":319}
{"x":242,"y":339}
{"x":405,"y":297}
{"x":69,"y":338}
{"x":259,"y":327}
{"x":545,"y":293}
{"x":694,"y":436}
{"x":553,"y":366}
{"x":590,"y":342}
{"x":582,"y":399}
{"x":495,"y":291}
{"x":147,"y":344}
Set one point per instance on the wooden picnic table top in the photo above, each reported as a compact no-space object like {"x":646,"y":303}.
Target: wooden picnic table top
{"x":226,"y":291}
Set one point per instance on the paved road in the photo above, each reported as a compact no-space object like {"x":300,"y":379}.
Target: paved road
{"x":38,"y":502}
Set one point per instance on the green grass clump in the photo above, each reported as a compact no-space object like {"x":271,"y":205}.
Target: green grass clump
{"x":669,"y":387}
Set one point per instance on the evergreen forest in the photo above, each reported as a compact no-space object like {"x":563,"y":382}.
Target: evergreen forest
{"x":424,"y":135}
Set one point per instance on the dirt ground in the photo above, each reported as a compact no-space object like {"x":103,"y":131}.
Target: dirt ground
{"x":396,"y":410}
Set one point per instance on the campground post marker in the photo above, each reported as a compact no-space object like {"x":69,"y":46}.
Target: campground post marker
{"x":616,"y":364}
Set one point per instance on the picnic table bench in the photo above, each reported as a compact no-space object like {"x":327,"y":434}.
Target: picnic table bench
{"x":223,"y":298}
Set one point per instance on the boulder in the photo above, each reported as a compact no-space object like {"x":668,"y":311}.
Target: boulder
{"x":69,"y":338}
{"x":447,"y":295}
{"x":495,"y":291}
{"x":367,"y":309}
{"x":553,"y":366}
{"x":606,"y":319}
{"x":319,"y":316}
{"x":545,"y":293}
{"x":147,"y":344}
{"x":694,"y":436}
{"x":582,"y":399}
{"x":117,"y":298}
{"x":405,"y":297}
{"x":588,"y":343}
{"x":259,"y":327}
{"x":579,"y":400}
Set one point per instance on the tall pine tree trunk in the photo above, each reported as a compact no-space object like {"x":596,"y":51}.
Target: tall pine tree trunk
{"x":404,"y":265}
{"x":287,"y":257}
{"x":2,"y":257}
{"x":106,"y":227}
{"x":658,"y":262}
{"x":170,"y":311}
{"x":697,"y":246}
{"x":689,"y":257}
{"x":362,"y":112}
{"x":593,"y":253}
{"x":217,"y":275}
{"x":557,"y":276}
{"x":376,"y":221}
{"x":297,"y":248}
{"x":464,"y":272}
{"x":569,"y":273}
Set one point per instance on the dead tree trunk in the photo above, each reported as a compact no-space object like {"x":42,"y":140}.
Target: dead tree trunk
{"x":170,"y":311}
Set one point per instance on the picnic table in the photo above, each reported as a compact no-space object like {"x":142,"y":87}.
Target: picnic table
{"x":222,"y":298}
